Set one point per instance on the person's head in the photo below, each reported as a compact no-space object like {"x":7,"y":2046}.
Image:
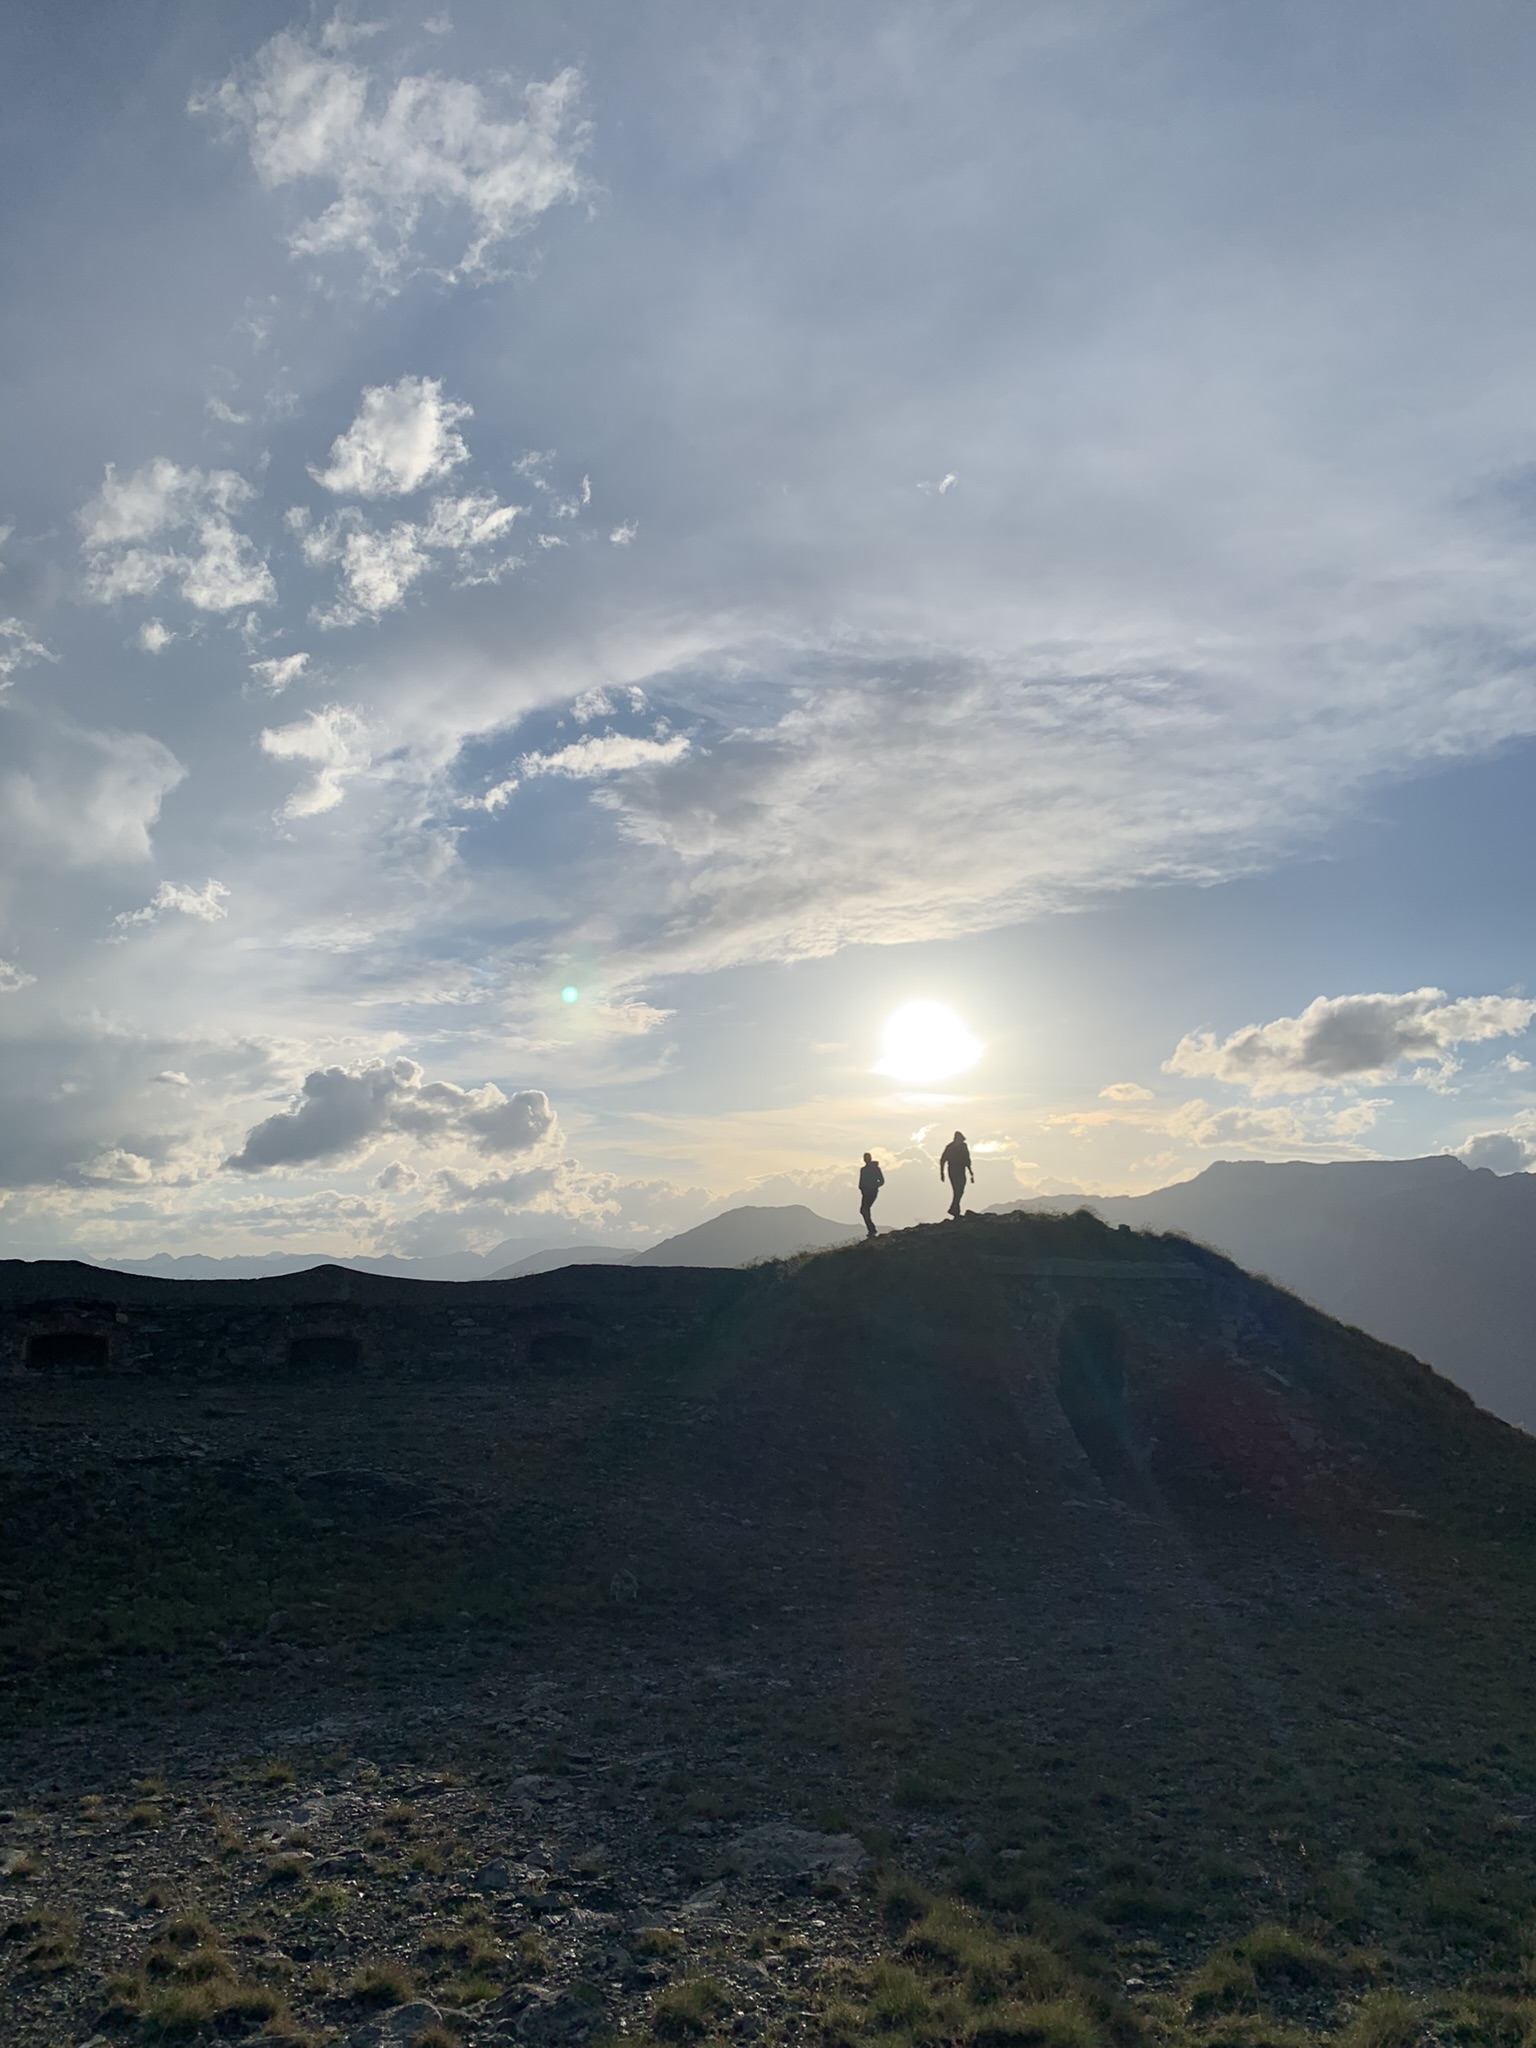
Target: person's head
{"x":869,"y":1158}
{"x":959,"y":1137}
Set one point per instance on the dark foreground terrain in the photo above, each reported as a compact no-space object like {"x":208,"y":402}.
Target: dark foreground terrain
{"x":1018,"y":1633}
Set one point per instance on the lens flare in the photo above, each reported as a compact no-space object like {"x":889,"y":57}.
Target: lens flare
{"x":925,"y":1042}
{"x":569,"y":994}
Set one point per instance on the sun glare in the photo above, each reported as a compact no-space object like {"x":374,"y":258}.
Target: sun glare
{"x":926,"y":1042}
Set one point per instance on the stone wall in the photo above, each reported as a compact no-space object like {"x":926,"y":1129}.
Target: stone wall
{"x":60,"y":1317}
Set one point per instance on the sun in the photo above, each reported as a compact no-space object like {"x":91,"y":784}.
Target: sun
{"x":925,"y":1042}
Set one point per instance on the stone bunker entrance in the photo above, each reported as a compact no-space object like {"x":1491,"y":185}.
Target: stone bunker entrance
{"x":1090,"y":1384}
{"x":68,"y":1351}
{"x":324,"y":1351}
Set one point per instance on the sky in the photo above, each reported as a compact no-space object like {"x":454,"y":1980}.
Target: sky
{"x":563,"y":563}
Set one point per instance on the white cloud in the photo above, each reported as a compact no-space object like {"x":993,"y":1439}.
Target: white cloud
{"x":341,"y":1111}
{"x":621,"y":536}
{"x":1498,"y":1151}
{"x":13,"y":979}
{"x":464,"y":524}
{"x":1125,"y":1091}
{"x":611,"y":753}
{"x":377,"y":569}
{"x":19,"y":649}
{"x":86,"y":798}
{"x":335,"y":742}
{"x":403,"y":438}
{"x":281,"y":672}
{"x":1279,"y":1127}
{"x":419,"y":165}
{"x":181,"y":900}
{"x":154,"y":636}
{"x":172,"y":1077}
{"x":1350,"y":1039}
{"x":117,"y":1165}
{"x":164,"y":524}
{"x":218,"y":409}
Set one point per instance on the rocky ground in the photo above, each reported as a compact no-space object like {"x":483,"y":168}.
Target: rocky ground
{"x":715,"y":1700}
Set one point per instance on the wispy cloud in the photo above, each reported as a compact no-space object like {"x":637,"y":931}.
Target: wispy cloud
{"x":422,"y":167}
{"x":333,"y":741}
{"x":19,"y":648}
{"x":179,"y":899}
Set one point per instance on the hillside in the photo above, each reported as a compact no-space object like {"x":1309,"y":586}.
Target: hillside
{"x":1425,"y":1253}
{"x":1030,"y":1632}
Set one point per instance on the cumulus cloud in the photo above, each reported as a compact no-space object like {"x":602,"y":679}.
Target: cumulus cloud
{"x":1125,"y":1091}
{"x":341,"y":1111}
{"x":1350,"y":1039}
{"x":85,"y":798}
{"x":154,"y":636}
{"x":420,"y":166}
{"x":12,"y":979}
{"x":180,"y":900}
{"x":1498,"y":1151}
{"x":18,"y":650}
{"x":404,"y":436}
{"x":164,"y":524}
{"x":281,"y":672}
{"x":335,"y":742}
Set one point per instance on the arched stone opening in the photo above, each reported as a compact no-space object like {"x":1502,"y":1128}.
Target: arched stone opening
{"x":68,"y":1351}
{"x":324,"y":1351}
{"x":1090,"y":1383}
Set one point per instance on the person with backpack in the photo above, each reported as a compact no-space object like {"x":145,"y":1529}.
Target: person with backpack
{"x":871,"y":1181}
{"x":955,"y":1162}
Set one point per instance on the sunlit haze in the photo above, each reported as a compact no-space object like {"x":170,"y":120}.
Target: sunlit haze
{"x":926,"y":1042}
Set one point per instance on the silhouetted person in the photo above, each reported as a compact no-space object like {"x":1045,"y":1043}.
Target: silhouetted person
{"x":871,"y":1181}
{"x":955,"y":1163}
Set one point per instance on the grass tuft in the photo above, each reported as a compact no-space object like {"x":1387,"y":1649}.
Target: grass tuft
{"x":688,"y":2009}
{"x":382,"y":1983}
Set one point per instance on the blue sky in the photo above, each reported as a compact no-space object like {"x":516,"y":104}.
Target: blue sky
{"x":760,"y":516}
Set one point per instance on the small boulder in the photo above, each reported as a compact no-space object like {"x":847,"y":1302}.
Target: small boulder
{"x":398,"y":2028}
{"x":778,"y":1850}
{"x":562,"y":2019}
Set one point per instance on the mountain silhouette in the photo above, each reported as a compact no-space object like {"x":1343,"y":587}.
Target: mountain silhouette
{"x":560,"y":1256}
{"x":742,"y":1235}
